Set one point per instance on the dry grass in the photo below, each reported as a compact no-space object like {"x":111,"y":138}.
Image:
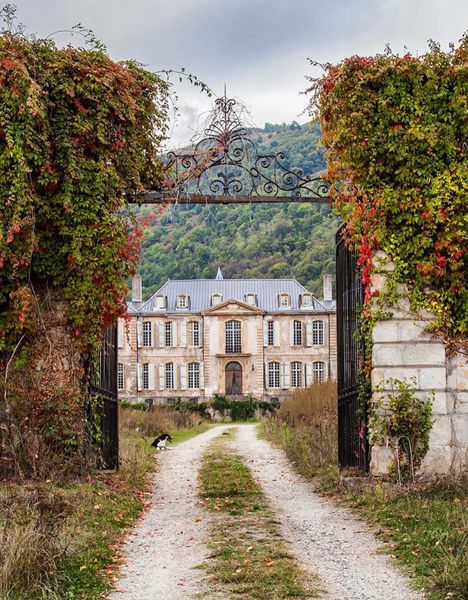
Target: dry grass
{"x":156,"y":421}
{"x":305,"y":425}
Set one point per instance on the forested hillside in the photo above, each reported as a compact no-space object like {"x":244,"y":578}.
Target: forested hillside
{"x":287,"y":240}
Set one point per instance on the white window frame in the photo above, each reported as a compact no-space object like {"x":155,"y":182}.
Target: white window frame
{"x":297,"y":374}
{"x":145,"y":376}
{"x":271,"y":333}
{"x":233,"y":332}
{"x":168,"y":334}
{"x":193,"y":376}
{"x":318,"y":371}
{"x":147,"y":330}
{"x":182,"y":301}
{"x":306,"y":300}
{"x":169,"y":376}
{"x":251,"y":299}
{"x":194,"y":333}
{"x":273,"y":374}
{"x":160,"y":302}
{"x":284,"y":300}
{"x":216,"y":298}
{"x":120,"y":376}
{"x":297,"y":333}
{"x":317,"y":333}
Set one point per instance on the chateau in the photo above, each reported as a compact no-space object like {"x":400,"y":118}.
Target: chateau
{"x":237,"y":337}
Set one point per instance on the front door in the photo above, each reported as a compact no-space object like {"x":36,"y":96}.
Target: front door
{"x":233,"y":379}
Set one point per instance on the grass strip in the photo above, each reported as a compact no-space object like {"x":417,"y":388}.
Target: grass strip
{"x":425,"y":524}
{"x":249,"y":558}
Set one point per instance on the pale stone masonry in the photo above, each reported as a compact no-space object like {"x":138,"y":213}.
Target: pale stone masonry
{"x":194,"y":339}
{"x":403,"y":349}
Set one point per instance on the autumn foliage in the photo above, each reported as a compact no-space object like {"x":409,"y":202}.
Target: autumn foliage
{"x":78,"y":133}
{"x":395,"y":132}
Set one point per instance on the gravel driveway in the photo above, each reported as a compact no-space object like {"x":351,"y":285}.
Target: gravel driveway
{"x":327,"y":539}
{"x":162,"y":551}
{"x":169,"y":542}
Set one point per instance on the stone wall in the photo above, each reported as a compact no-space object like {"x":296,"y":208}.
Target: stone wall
{"x":403,"y":349}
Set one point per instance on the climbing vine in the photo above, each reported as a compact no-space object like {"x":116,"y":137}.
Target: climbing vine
{"x":395,"y":132}
{"x":78,"y":133}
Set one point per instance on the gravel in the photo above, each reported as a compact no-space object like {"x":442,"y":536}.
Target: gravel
{"x":328,"y":540}
{"x":168,"y":543}
{"x":163,"y":551}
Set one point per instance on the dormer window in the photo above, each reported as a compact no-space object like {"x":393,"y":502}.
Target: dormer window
{"x":284,"y":300}
{"x":160,"y":302}
{"x":182,"y":301}
{"x":216,"y":299}
{"x":251,"y":299}
{"x":306,"y":300}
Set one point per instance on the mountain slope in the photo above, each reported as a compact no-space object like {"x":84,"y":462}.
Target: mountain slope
{"x":286,"y":240}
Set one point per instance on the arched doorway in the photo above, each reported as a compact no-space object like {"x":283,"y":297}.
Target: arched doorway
{"x":233,"y":379}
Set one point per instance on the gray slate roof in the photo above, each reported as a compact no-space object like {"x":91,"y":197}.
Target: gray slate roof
{"x":200,"y":292}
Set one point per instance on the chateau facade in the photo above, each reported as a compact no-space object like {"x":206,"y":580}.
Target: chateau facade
{"x":237,"y":337}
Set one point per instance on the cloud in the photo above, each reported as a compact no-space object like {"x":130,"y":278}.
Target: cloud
{"x":259,"y":48}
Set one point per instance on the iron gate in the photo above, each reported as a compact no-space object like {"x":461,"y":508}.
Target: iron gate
{"x":103,"y":385}
{"x":352,"y":418}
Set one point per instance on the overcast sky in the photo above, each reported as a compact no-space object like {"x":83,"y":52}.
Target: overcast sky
{"x":258,"y":48}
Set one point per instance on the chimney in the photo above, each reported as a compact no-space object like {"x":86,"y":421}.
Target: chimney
{"x":327,"y":287}
{"x":136,"y":288}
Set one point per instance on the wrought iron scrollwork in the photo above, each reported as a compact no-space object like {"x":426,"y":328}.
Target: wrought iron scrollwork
{"x":227,"y":162}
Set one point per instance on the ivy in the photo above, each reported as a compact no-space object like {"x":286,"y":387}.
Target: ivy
{"x":395,"y":132}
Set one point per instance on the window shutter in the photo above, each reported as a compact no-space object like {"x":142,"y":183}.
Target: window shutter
{"x":120,"y":333}
{"x":200,"y":334}
{"x":265,"y":333}
{"x":291,"y":333}
{"x":308,"y":373}
{"x":139,"y":375}
{"x":183,"y":334}
{"x":174,"y":336}
{"x":276,"y":334}
{"x":309,"y":334}
{"x":162,"y":338}
{"x":151,"y":376}
{"x":285,"y":378}
{"x":176,"y":381}
{"x":139,"y":326}
{"x":183,"y":376}
{"x":162,"y":377}
{"x":202,"y":376}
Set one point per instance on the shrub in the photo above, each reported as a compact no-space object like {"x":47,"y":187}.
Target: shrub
{"x":306,"y":426}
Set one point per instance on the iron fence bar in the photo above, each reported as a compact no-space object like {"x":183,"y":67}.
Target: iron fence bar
{"x":166,"y":198}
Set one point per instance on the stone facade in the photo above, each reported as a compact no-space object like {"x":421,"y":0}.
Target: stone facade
{"x":168,"y":352}
{"x":403,"y":349}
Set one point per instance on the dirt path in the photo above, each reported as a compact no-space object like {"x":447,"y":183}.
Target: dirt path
{"x":168,"y":543}
{"x":328,"y":540}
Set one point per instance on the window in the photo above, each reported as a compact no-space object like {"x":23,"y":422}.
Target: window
{"x":147,"y":333}
{"x":317,"y":333}
{"x":233,"y":337}
{"x":194,"y":333}
{"x":296,"y":374}
{"x":306,"y":300}
{"x":182,"y":301}
{"x":251,"y":299}
{"x":169,"y":376}
{"x":193,"y":376}
{"x":284,"y":300}
{"x":120,"y":376}
{"x":271,"y":333}
{"x":297,"y":333}
{"x":273,"y":375}
{"x":160,"y":302}
{"x":318,"y":372}
{"x":168,"y":333}
{"x":145,"y":376}
{"x":216,"y":299}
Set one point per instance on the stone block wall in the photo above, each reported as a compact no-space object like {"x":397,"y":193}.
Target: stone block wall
{"x":403,"y":349}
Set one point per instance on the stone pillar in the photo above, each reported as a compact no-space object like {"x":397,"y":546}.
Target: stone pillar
{"x":403,"y":349}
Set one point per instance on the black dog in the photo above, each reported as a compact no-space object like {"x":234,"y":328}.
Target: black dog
{"x":161,"y":441}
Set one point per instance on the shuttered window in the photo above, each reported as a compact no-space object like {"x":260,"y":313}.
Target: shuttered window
{"x":297,"y":333}
{"x":233,"y":337}
{"x":147,"y":334}
{"x":318,"y":371}
{"x":296,"y":374}
{"x":317,"y":333}
{"x":169,"y":376}
{"x":193,"y":376}
{"x":120,"y":376}
{"x":194,"y":333}
{"x":273,"y":375}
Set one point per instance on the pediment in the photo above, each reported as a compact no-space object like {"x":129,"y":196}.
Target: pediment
{"x":234,"y":307}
